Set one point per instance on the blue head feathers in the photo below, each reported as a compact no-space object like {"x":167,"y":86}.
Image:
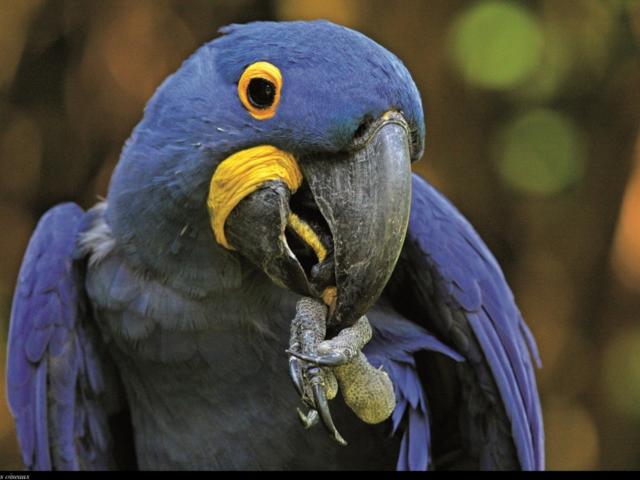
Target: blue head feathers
{"x":334,"y":79}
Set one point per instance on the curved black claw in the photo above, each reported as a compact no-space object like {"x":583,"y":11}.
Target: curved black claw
{"x":295,"y":373}
{"x":308,"y":420}
{"x":325,"y":415}
{"x":333,"y":359}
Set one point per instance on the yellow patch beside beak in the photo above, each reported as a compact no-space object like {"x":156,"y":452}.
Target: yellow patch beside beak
{"x":242,"y":174}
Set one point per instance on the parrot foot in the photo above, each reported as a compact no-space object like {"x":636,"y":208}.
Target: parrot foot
{"x":319,"y":367}
{"x":314,"y":384}
{"x":309,"y":419}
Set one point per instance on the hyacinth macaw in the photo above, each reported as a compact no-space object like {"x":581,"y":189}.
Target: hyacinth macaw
{"x":273,"y":166}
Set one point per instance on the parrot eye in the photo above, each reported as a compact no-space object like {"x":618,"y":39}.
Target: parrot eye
{"x":261,"y":92}
{"x":259,"y":89}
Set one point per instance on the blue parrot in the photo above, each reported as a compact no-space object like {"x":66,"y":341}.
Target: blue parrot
{"x":273,"y":166}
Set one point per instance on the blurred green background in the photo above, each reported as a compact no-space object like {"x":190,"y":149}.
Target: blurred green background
{"x":532,"y":111}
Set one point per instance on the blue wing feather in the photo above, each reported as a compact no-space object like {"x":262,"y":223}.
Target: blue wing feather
{"x":420,"y":435}
{"x":394,"y":343}
{"x":53,"y":371}
{"x":468,"y":290}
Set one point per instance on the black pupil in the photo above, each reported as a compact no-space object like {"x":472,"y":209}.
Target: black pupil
{"x":261,"y":92}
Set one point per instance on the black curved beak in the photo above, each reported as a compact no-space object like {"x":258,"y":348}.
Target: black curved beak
{"x":354,"y":210}
{"x":365,"y":197}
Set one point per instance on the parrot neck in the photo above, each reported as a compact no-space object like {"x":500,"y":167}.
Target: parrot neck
{"x":161,"y":225}
{"x":254,"y":305}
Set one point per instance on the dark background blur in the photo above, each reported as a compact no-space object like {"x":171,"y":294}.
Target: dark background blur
{"x":532,"y":111}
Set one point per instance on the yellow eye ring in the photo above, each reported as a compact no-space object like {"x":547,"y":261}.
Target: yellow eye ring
{"x":259,"y":89}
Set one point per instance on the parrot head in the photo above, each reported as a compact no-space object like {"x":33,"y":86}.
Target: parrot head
{"x":286,"y":144}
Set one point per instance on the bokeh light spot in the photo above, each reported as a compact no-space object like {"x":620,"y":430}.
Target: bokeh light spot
{"x":15,"y":18}
{"x":540,"y":152}
{"x":626,"y":246}
{"x":17,"y":222}
{"x":622,"y":372}
{"x":542,"y":274}
{"x":572,"y":440}
{"x":339,"y":11}
{"x":20,"y":154}
{"x":496,"y":45}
